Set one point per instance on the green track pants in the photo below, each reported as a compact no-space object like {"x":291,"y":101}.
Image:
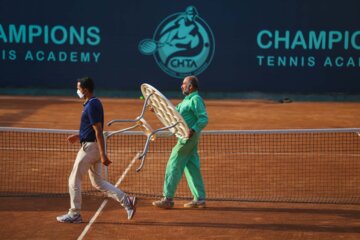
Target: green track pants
{"x":184,"y":157}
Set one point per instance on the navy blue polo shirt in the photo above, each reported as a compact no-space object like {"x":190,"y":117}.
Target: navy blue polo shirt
{"x":93,"y":113}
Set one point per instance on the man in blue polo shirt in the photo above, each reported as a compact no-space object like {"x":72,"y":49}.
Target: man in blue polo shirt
{"x":91,"y":156}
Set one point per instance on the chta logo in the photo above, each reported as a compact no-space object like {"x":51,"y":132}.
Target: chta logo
{"x":182,"y":44}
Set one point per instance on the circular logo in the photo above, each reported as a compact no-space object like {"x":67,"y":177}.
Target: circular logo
{"x":182,"y":44}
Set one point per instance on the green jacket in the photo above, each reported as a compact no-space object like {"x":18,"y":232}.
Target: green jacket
{"x":193,"y":110}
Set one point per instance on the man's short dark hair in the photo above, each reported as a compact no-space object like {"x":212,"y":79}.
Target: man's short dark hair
{"x":193,"y":80}
{"x":88,"y":83}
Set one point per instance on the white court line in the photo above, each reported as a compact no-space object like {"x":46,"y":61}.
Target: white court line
{"x":103,"y":204}
{"x":86,"y":229}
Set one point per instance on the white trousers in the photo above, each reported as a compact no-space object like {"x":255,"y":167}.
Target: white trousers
{"x":88,"y":160}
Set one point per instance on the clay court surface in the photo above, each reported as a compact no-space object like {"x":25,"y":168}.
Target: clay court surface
{"x":34,"y":218}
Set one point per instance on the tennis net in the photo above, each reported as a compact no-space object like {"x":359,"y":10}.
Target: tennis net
{"x":316,"y":166}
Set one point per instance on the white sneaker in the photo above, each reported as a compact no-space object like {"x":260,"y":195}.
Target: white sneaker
{"x":166,"y":203}
{"x":69,"y":218}
{"x":131,"y":207}
{"x":195,"y":204}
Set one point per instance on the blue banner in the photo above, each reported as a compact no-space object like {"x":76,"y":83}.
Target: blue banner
{"x":232,"y":46}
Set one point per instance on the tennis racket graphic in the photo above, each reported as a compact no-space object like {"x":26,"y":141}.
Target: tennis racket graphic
{"x":149,"y":46}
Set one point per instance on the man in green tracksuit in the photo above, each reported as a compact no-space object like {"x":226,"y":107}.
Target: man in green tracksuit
{"x":184,"y":155}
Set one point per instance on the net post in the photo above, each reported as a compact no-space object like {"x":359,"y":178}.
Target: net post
{"x":106,"y":173}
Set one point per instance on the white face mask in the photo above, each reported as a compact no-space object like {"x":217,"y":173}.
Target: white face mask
{"x":80,"y":94}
